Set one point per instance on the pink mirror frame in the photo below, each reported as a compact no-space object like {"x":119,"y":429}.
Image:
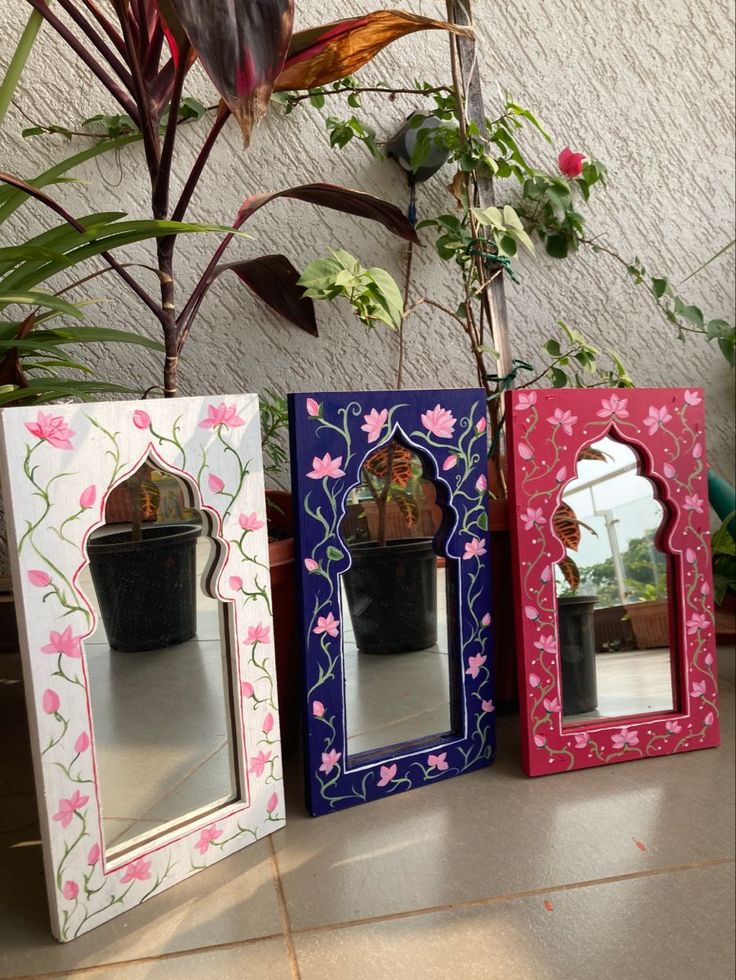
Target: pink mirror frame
{"x":665,"y":429}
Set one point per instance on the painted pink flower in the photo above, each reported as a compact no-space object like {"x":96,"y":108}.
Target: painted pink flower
{"x":38,"y":578}
{"x":51,"y":428}
{"x":82,"y":743}
{"x":50,"y":701}
{"x":613,"y":406}
{"x":475,"y":663}
{"x":656,"y":419}
{"x":546,"y":644}
{"x":273,"y":802}
{"x":474,"y":549}
{"x":481,"y":425}
{"x":533,"y":517}
{"x":449,"y":463}
{"x":693,"y":502}
{"x":540,"y":741}
{"x":250,"y":522}
{"x":318,"y":709}
{"x":561,"y":474}
{"x":312,"y":408}
{"x":534,"y":680}
{"x":481,"y":484}
{"x":226,"y":415}
{"x":698,"y":450}
{"x":236,"y":583}
{"x":326,"y":468}
{"x":329,"y":761}
{"x":526,"y":399}
{"x":87,"y":497}
{"x":552,"y":705}
{"x":67,"y":808}
{"x":439,"y":421}
{"x":581,"y":739}
{"x":698,"y":621}
{"x":669,"y":471}
{"x":709,"y":719}
{"x":215,"y":484}
{"x":327,"y":624}
{"x":258,"y":634}
{"x":268,"y":723}
{"x":374,"y":423}
{"x":692,"y":397}
{"x":673,"y":727}
{"x":488,"y":706}
{"x":570,"y":163}
{"x":258,"y":763}
{"x":486,"y":620}
{"x":70,"y":890}
{"x":690,"y":556}
{"x":207,"y":836}
{"x":697,"y":689}
{"x":438,"y":761}
{"x":387,"y":774}
{"x":311,"y":565}
{"x":64,"y":643}
{"x":525,"y":451}
{"x":246,"y":689}
{"x":531,"y":612}
{"x":141,"y":419}
{"x":705,"y":589}
{"x":708,"y":661}
{"x":546,"y":574}
{"x":139,"y":870}
{"x":623,"y":738}
{"x":564,"y":419}
{"x":94,"y":855}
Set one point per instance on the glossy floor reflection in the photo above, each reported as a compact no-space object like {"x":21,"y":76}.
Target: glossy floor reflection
{"x":630,"y":683}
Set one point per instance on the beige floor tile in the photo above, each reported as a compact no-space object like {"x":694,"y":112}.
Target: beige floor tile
{"x":675,"y":926}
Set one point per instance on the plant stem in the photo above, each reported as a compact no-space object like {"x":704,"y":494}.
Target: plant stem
{"x":223,"y":114}
{"x":381,"y":90}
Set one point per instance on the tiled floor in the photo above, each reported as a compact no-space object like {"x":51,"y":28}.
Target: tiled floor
{"x":614,"y":873}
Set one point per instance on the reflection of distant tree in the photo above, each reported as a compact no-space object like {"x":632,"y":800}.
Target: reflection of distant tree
{"x":646,"y":574}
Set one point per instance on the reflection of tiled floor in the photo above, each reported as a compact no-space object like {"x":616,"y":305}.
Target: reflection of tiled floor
{"x":161,"y":725}
{"x":391,"y":698}
{"x":631,"y":684}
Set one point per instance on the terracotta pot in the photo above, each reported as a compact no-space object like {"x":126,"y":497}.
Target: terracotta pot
{"x":283,"y":597}
{"x":504,"y":636}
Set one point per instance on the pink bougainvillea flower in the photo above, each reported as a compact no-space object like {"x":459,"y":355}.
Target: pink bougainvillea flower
{"x":525,"y":451}
{"x":690,"y":556}
{"x":656,"y":419}
{"x":50,"y":701}
{"x":540,"y":741}
{"x":552,"y":705}
{"x":67,"y":808}
{"x":698,"y":450}
{"x":613,"y":406}
{"x":673,"y":727}
{"x":313,"y":408}
{"x":326,"y":468}
{"x":474,"y":549}
{"x":329,"y":761}
{"x":561,"y":474}
{"x":488,"y":706}
{"x":207,"y":836}
{"x":94,"y":855}
{"x":481,"y":425}
{"x":268,"y":723}
{"x":327,"y":624}
{"x":709,"y":719}
{"x":273,"y":802}
{"x":70,"y":890}
{"x":318,"y":709}
{"x":450,"y":462}
{"x":311,"y":565}
{"x":374,"y":423}
{"x":258,"y":763}
{"x":692,"y":397}
{"x":52,"y":429}
{"x":139,"y":870}
{"x":534,"y":680}
{"x":82,"y":743}
{"x":87,"y":497}
{"x":141,"y":419}
{"x":669,"y":471}
{"x":693,"y":502}
{"x":531,"y":612}
{"x":250,"y":522}
{"x":246,"y":689}
{"x":698,"y":621}
{"x":486,"y":621}
{"x":236,"y":583}
{"x":258,"y":634}
{"x":215,"y":484}
{"x":387,"y":774}
{"x":546,"y":644}
{"x":481,"y":484}
{"x":438,"y":761}
{"x":439,"y":421}
{"x":226,"y":415}
{"x":570,"y":163}
{"x":581,"y":739}
{"x":564,"y":419}
{"x":65,"y":643}
{"x":475,"y":663}
{"x":526,"y":399}
{"x":533,"y":517}
{"x":697,"y":689}
{"x":623,"y":738}
{"x":38,"y":578}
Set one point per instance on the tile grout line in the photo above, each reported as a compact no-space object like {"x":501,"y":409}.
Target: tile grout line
{"x":283,"y":911}
{"x":376,"y":919}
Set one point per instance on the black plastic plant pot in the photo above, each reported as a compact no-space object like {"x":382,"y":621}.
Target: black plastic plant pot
{"x":392,"y":595}
{"x":577,"y":654}
{"x":147,"y":589}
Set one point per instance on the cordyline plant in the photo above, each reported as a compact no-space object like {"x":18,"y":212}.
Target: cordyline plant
{"x":140,"y":51}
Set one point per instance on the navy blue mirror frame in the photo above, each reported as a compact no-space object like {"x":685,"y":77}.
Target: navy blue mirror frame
{"x":332,"y":434}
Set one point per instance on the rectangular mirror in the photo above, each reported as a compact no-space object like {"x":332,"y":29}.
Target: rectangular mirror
{"x":138,"y":536}
{"x":391,"y":512}
{"x":609,"y":516}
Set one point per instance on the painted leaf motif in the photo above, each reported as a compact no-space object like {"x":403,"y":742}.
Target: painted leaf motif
{"x":566,"y":526}
{"x":323,"y":54}
{"x":571,"y":573}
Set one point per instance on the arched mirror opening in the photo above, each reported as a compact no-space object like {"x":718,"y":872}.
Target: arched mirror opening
{"x":616,"y":640}
{"x":398,"y":605}
{"x":158,"y":661}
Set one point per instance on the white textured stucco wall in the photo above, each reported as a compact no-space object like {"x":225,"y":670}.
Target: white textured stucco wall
{"x":647,"y":87}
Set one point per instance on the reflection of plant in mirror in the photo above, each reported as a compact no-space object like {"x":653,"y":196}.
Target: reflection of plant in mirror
{"x":394,"y":475}
{"x":646,"y":577}
{"x":723,"y":546}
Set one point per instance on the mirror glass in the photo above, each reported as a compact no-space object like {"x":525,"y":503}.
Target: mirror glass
{"x":396,"y":601}
{"x":616,"y":641}
{"x":158,"y":663}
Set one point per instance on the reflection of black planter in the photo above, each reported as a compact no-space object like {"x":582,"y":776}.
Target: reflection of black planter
{"x":577,"y":654}
{"x":147,"y":589}
{"x":392,"y":595}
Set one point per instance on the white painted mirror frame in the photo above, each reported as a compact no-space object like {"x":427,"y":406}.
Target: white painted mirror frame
{"x":59,"y":464}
